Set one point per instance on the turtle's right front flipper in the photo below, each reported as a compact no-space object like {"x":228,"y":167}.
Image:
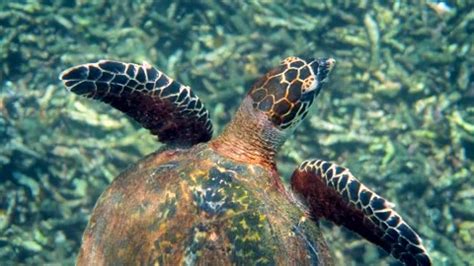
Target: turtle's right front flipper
{"x":333,"y":193}
{"x":165,"y":107}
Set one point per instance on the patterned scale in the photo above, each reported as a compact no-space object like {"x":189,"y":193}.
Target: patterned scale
{"x":332,"y":192}
{"x":286,"y":92}
{"x":165,"y":107}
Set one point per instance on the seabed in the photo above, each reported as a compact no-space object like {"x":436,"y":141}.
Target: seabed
{"x":398,"y":110}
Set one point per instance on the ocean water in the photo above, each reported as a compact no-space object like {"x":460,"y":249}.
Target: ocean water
{"x":398,"y":109}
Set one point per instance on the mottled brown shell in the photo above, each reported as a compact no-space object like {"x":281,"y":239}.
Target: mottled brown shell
{"x":197,"y":207}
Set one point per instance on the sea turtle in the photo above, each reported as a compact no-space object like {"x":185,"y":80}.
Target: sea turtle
{"x":221,"y":201}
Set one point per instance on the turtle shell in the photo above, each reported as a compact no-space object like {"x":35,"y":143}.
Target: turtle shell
{"x":197,"y":207}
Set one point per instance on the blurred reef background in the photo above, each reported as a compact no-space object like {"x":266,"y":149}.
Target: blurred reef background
{"x":398,"y":111}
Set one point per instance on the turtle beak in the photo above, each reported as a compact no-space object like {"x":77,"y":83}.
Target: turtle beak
{"x":322,"y":67}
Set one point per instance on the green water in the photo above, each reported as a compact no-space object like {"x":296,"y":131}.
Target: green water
{"x":398,"y":109}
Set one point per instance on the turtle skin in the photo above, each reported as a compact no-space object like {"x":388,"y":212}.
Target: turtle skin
{"x":197,"y":207}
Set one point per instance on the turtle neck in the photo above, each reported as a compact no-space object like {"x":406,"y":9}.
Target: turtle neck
{"x":250,"y":137}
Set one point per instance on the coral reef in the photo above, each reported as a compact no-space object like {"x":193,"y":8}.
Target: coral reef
{"x":398,"y":110}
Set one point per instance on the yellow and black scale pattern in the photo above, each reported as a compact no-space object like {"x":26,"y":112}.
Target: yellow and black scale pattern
{"x":379,"y":220}
{"x":167,"y":108}
{"x":286,"y":92}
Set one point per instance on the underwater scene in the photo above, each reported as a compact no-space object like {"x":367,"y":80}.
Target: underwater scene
{"x":397,"y":109}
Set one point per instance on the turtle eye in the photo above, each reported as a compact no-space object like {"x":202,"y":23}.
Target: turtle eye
{"x":321,"y":69}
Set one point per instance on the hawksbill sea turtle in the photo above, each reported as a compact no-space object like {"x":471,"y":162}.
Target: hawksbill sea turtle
{"x":221,"y":201}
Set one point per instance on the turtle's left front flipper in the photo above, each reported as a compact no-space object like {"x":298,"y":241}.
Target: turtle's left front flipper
{"x":333,"y":193}
{"x":167,"y":108}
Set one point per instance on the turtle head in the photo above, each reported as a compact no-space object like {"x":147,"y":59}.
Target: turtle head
{"x":287,"y":91}
{"x":274,"y":105}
